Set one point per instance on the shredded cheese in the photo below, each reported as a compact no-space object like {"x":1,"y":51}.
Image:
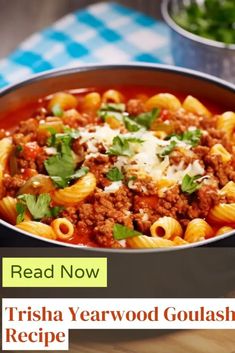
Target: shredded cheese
{"x":146,"y":158}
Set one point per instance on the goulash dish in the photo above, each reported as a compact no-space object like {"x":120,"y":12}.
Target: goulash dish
{"x":119,"y":168}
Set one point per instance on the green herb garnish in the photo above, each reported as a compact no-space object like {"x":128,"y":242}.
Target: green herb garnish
{"x":114,"y":174}
{"x":121,"y":146}
{"x":62,"y":182}
{"x":131,"y":125}
{"x":212,"y":19}
{"x":55,"y":211}
{"x":168,"y":149}
{"x":114,"y":107}
{"x":121,"y":232}
{"x":20,"y":210}
{"x":189,"y":184}
{"x":190,"y":137}
{"x":61,"y":167}
{"x":57,"y":110}
{"x":38,"y":206}
{"x":146,"y":119}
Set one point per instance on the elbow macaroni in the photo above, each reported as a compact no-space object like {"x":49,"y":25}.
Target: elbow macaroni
{"x":8,"y":209}
{"x":164,"y":101}
{"x":71,"y":195}
{"x":112,"y":96}
{"x":197,"y":230}
{"x":63,"y":228}
{"x":167,"y":228}
{"x":144,"y":242}
{"x":223,"y":214}
{"x":226,"y":123}
{"x":219,"y":150}
{"x":228,"y":189}
{"x":193,"y":105}
{"x":38,"y":228}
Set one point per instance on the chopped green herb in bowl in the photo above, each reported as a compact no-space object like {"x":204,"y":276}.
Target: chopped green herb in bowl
{"x":211,"y":19}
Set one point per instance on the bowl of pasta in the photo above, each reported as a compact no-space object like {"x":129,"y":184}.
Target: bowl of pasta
{"x":118,"y":158}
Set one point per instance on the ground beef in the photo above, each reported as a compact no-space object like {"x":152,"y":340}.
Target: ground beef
{"x":211,"y":137}
{"x":99,"y":166}
{"x":74,"y":119}
{"x":12,"y":184}
{"x":181,"y":121}
{"x":223,"y":172}
{"x":178,"y":155}
{"x":144,"y":186}
{"x":201,"y":151}
{"x":135,"y":107}
{"x":103,"y":212}
{"x":21,"y":139}
{"x":28,"y":126}
{"x":206,"y":198}
{"x":25,"y":164}
{"x":71,"y":214}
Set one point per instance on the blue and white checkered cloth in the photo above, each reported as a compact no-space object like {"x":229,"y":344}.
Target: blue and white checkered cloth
{"x":102,"y":33}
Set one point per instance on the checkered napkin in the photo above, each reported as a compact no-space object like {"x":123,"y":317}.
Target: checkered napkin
{"x":102,"y":33}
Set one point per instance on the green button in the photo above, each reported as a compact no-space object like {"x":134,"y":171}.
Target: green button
{"x":54,"y":272}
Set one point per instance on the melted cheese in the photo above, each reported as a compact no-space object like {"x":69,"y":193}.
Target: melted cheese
{"x":145,"y":159}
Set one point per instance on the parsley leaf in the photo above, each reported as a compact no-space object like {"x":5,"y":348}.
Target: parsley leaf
{"x":146,"y":119}
{"x":190,"y":184}
{"x":38,"y":206}
{"x":131,"y":125}
{"x":114,"y":174}
{"x":121,"y":146}
{"x":56,"y":210}
{"x":62,"y":182}
{"x":168,"y":149}
{"x":61,"y":167}
{"x":121,"y":232}
{"x":190,"y":137}
{"x":20,"y":210}
{"x":57,"y":110}
{"x":115,"y":107}
{"x":106,"y":114}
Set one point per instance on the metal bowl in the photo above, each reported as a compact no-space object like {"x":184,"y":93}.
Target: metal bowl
{"x":165,"y":77}
{"x":195,"y":52}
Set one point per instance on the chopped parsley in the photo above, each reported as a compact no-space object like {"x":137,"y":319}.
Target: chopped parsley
{"x":121,"y":232}
{"x":114,"y":174}
{"x":168,"y":149}
{"x":131,"y":125}
{"x":57,"y":110}
{"x":106,"y":114}
{"x":38,"y":206}
{"x":189,"y":184}
{"x":64,"y":181}
{"x":190,"y":137}
{"x":146,"y":119}
{"x":19,"y":149}
{"x":20,"y":210}
{"x":114,"y":107}
{"x":121,"y":146}
{"x":212,"y":19}
{"x":61,"y":167}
